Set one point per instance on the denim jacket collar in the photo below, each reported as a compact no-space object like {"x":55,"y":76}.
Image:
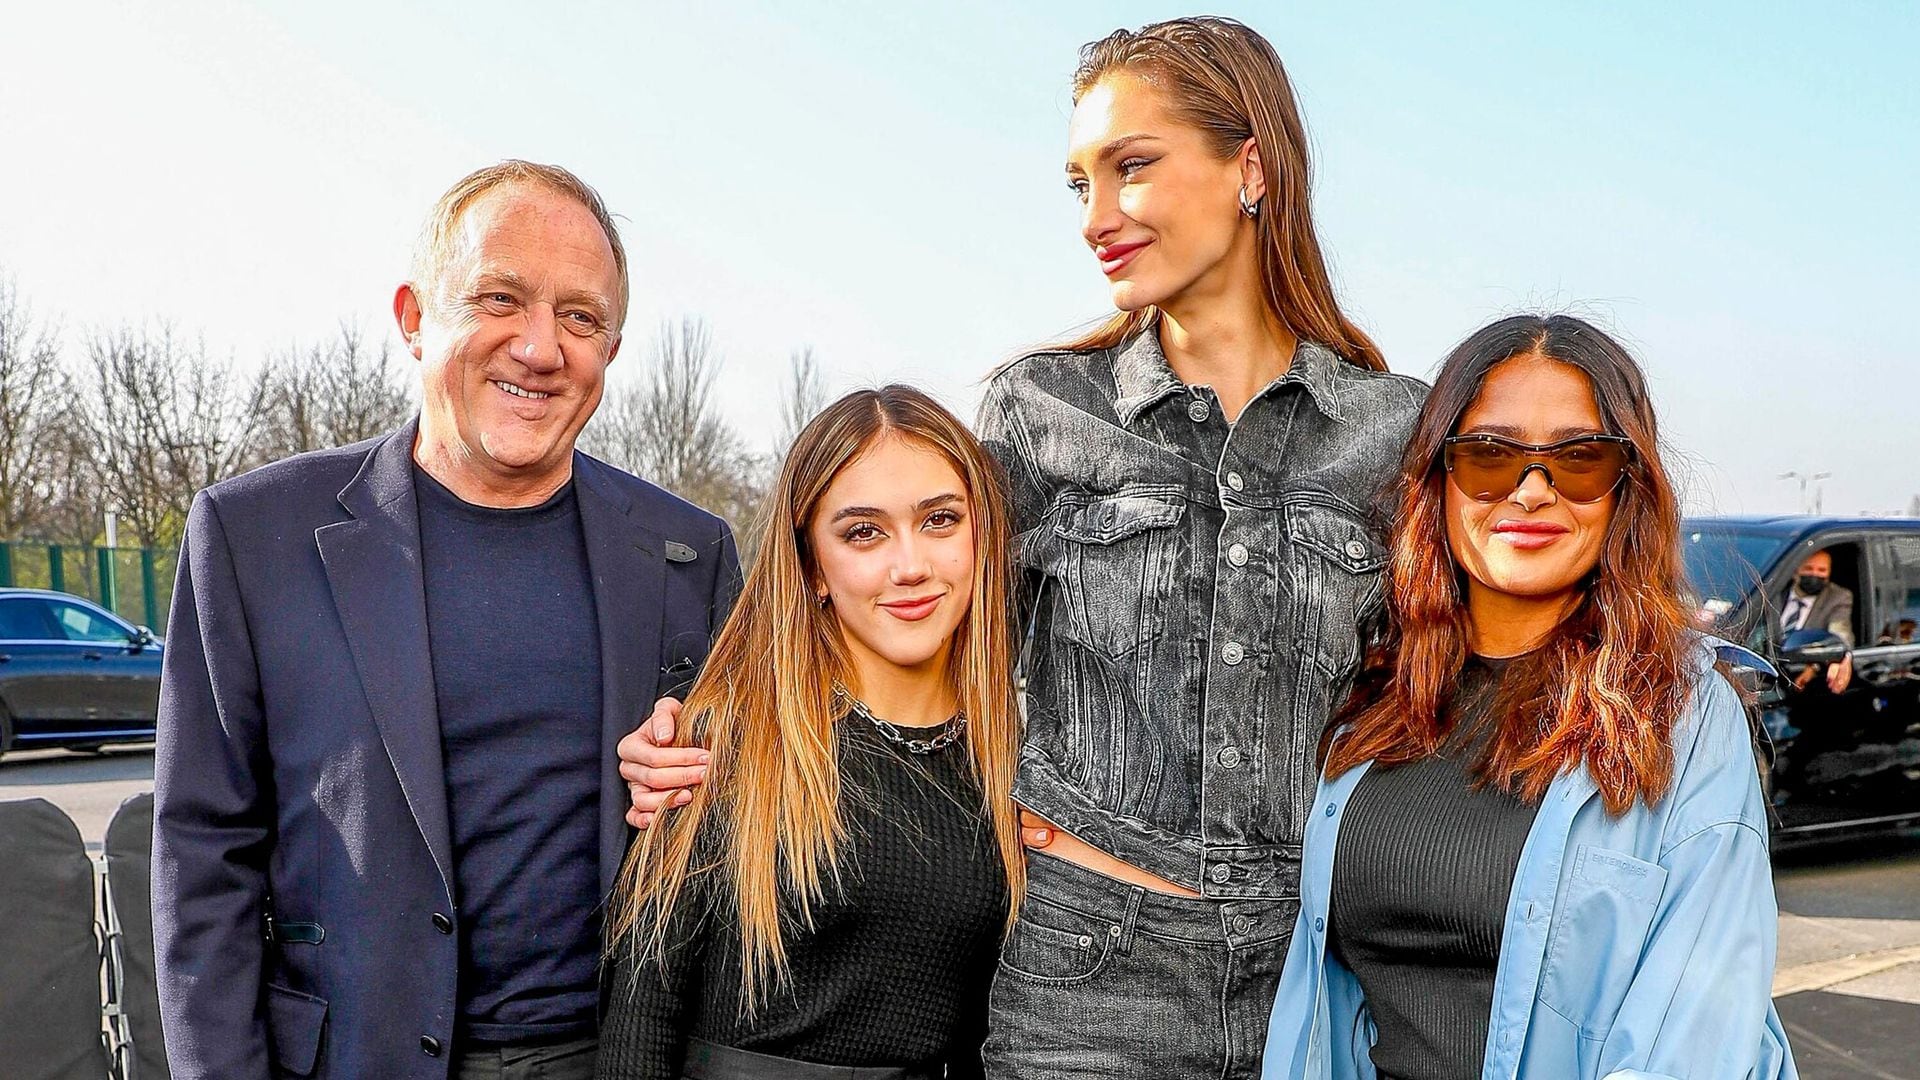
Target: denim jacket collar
{"x":1142,"y":377}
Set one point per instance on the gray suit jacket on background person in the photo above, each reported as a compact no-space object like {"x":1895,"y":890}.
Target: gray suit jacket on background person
{"x":304,"y":907}
{"x":1832,"y":611}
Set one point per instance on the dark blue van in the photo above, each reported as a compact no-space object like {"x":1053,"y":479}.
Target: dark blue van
{"x":1840,"y":761}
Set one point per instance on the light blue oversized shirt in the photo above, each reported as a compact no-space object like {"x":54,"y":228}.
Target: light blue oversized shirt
{"x":1636,"y":947}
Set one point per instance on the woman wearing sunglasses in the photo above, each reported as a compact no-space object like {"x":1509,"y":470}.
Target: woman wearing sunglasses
{"x":1539,"y":848}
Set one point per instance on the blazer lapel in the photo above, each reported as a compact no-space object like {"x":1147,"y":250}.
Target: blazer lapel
{"x":373,"y":568}
{"x":628,"y":563}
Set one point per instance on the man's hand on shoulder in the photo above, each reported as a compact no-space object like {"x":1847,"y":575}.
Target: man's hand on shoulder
{"x":658,"y":773}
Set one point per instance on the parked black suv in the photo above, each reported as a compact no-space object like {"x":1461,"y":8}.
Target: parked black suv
{"x":73,"y":674}
{"x":1840,"y":761}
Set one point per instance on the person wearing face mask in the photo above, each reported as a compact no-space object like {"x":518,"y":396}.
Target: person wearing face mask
{"x":1814,"y":601}
{"x":830,"y":904}
{"x":1539,"y":846}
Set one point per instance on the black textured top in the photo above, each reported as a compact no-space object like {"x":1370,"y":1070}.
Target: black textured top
{"x":896,"y":968}
{"x":1420,"y":884}
{"x":516,"y":681}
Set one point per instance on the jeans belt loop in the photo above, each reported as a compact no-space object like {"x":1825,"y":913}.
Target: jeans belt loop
{"x":1129,"y":919}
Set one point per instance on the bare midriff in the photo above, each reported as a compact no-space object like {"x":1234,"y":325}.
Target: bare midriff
{"x":1067,"y":846}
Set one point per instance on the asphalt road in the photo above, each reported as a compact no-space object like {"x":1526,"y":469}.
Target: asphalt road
{"x":1848,"y":982}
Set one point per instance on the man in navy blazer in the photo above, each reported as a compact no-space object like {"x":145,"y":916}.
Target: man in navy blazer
{"x":387,"y":806}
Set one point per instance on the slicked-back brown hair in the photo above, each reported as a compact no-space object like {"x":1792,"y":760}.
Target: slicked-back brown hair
{"x":1221,"y":77}
{"x":1605,"y":689}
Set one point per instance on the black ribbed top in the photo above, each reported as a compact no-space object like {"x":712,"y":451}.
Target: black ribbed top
{"x":894,"y":970}
{"x":1420,"y":885}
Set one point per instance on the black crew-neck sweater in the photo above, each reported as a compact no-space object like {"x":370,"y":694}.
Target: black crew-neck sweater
{"x":516,"y":681}
{"x":1419,"y":900}
{"x":896,"y":968}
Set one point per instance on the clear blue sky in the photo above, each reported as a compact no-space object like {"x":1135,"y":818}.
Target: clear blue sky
{"x":1729,"y":186}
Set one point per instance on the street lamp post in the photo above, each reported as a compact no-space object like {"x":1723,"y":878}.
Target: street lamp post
{"x":1804,"y":479}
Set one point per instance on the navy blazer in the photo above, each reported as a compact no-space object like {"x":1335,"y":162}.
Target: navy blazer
{"x":303,"y":908}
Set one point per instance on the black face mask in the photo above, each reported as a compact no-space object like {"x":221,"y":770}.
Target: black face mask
{"x":1811,"y":584}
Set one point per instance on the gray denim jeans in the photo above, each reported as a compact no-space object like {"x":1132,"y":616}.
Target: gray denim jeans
{"x":1101,"y":979}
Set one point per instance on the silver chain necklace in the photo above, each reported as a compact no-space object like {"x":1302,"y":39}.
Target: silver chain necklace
{"x":956,"y":726}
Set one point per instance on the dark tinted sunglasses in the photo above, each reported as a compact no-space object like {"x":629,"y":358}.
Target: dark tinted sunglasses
{"x":1583,"y":469}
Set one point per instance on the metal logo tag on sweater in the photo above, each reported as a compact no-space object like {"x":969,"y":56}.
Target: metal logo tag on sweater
{"x":679,"y":552}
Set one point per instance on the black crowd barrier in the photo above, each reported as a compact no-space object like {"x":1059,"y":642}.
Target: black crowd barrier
{"x":50,"y":1009}
{"x":77,"y":998}
{"x":129,"y":918}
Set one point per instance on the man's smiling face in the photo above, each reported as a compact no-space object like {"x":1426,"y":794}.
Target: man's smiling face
{"x":514,"y":342}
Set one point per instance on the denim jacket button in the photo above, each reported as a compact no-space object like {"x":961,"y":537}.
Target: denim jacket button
{"x":1234,"y":481}
{"x":1237,"y":554}
{"x":1330,"y":809}
{"x":1319,"y":926}
{"x":1242,"y":924}
{"x":1221,"y":873}
{"x":1233,"y":652}
{"x":1356,"y":550}
{"x":1197,"y":410}
{"x":1229,"y":757}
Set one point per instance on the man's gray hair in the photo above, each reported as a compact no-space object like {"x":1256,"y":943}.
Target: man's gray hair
{"x":441,"y":234}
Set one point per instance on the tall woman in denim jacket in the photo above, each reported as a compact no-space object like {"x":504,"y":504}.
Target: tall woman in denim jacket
{"x":1539,"y":849}
{"x":1196,"y":490}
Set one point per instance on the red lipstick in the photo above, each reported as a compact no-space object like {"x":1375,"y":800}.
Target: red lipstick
{"x":1115,"y":257}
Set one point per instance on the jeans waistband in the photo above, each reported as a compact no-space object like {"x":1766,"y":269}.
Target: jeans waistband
{"x":1141,"y":910}
{"x":711,"y":1061}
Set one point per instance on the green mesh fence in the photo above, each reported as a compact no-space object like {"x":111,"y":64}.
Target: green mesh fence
{"x":133,"y":583}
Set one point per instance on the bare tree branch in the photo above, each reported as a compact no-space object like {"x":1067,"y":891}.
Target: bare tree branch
{"x":331,"y":394}
{"x":31,"y":381}
{"x":668,"y":430}
{"x":166,"y":420}
{"x":805,"y":394}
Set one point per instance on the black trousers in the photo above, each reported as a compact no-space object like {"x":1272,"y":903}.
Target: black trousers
{"x":710,"y":1061}
{"x":571,"y":1060}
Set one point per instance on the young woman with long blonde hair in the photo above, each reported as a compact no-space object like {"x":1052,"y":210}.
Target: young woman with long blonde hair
{"x":831,"y":901}
{"x":1197,"y":491}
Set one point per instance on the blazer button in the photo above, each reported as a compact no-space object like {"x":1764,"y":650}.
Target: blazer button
{"x":431,"y":1045}
{"x":442,"y":923}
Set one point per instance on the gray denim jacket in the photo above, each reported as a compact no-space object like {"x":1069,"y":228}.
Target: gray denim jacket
{"x":1199,"y":590}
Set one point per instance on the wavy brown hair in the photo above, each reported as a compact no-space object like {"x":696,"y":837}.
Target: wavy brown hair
{"x":1221,"y":77}
{"x":1604,"y":690}
{"x":766,"y":826}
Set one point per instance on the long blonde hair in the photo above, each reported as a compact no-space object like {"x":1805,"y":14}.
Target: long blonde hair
{"x":768,"y":820}
{"x":1225,"y":79}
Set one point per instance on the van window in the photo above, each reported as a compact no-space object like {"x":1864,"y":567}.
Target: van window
{"x":1897,"y":592}
{"x":1724,"y":565}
